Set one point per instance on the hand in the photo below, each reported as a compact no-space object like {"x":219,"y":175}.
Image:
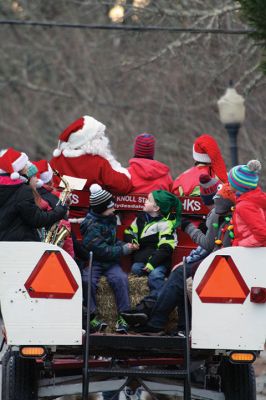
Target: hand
{"x":127,"y":248}
{"x":135,"y":246}
{"x":184,"y":223}
{"x":148,"y":268}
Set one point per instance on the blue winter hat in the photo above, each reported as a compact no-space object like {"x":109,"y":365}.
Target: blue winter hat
{"x":244,"y":178}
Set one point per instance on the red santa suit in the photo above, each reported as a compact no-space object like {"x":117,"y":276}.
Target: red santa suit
{"x":208,"y":155}
{"x":84,"y":152}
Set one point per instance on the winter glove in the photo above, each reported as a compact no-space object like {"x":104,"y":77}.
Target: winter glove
{"x":184,"y":223}
{"x":127,"y":249}
{"x":148,"y":268}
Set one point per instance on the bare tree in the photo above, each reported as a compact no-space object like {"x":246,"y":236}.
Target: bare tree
{"x":165,"y":83}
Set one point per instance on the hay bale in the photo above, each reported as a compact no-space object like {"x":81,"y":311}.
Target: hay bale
{"x":138,"y":288}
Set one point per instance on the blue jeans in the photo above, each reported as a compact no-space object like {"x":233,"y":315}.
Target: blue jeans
{"x":116,"y":278}
{"x":155,"y":278}
{"x":171,"y":295}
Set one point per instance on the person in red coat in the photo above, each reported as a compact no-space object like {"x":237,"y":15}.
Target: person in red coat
{"x":208,"y":160}
{"x":249,"y":217}
{"x":84,"y":152}
{"x":146,"y":173}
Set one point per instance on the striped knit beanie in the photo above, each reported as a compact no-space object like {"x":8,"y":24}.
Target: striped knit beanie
{"x":208,"y":188}
{"x":144,"y":146}
{"x":100,"y":199}
{"x":244,"y":178}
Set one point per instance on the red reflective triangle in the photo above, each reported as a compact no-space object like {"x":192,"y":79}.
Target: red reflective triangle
{"x":51,"y":278}
{"x":222,"y":283}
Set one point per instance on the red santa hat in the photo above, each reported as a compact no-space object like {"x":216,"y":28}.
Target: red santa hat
{"x":206,"y":150}
{"x":77,"y":135}
{"x":12,"y":161}
{"x":45,"y":170}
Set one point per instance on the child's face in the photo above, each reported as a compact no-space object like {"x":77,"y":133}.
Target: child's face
{"x":108,"y":211}
{"x":150,"y":206}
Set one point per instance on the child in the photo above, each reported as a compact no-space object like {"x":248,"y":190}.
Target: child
{"x":99,"y":236}
{"x":172,"y":294}
{"x":154,"y":232}
{"x":249,"y":218}
{"x":147,"y":174}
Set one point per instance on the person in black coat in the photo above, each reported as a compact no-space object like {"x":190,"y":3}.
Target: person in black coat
{"x":19,"y":215}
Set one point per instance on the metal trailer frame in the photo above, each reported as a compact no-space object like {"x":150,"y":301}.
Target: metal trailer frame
{"x":137,"y":374}
{"x":127,"y":352}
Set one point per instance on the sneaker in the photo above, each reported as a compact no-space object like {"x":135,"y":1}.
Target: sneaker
{"x":121,"y":325}
{"x":149,"y":330}
{"x":135,"y":318}
{"x":96,"y":325}
{"x":131,"y":394}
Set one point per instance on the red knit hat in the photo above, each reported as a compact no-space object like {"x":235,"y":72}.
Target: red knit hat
{"x":78,"y":134}
{"x":144,"y":146}
{"x":206,"y":150}
{"x":44,"y":169}
{"x":12,"y":161}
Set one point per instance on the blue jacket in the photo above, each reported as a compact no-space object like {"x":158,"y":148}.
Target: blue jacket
{"x":99,"y":236}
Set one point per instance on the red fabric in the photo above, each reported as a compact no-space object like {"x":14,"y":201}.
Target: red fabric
{"x":206,"y":144}
{"x":249,"y":219}
{"x":8,"y":159}
{"x":189,"y":179}
{"x":74,"y":127}
{"x":148,"y":175}
{"x":6,"y":180}
{"x":95,"y":169}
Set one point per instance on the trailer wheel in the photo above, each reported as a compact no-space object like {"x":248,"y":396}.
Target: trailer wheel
{"x":19,"y":377}
{"x":238,"y":381}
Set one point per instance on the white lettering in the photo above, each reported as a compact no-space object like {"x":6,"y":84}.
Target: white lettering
{"x":197,"y":206}
{"x":74,"y":199}
{"x":191,"y":205}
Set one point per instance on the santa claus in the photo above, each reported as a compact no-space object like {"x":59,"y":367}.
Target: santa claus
{"x":84,"y":152}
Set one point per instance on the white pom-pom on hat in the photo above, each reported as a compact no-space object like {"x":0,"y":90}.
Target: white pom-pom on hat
{"x":14,"y":176}
{"x":57,"y":152}
{"x":94,"y":188}
{"x":254,"y":165}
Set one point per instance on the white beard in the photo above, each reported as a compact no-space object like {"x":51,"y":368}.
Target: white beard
{"x":99,"y":145}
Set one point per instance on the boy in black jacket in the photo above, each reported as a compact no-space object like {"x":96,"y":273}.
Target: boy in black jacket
{"x":154,"y":231}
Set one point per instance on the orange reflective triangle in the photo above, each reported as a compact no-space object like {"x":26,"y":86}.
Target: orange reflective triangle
{"x":51,"y":278}
{"x":222,"y":283}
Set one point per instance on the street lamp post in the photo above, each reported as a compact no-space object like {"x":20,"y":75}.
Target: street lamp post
{"x":232,"y":114}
